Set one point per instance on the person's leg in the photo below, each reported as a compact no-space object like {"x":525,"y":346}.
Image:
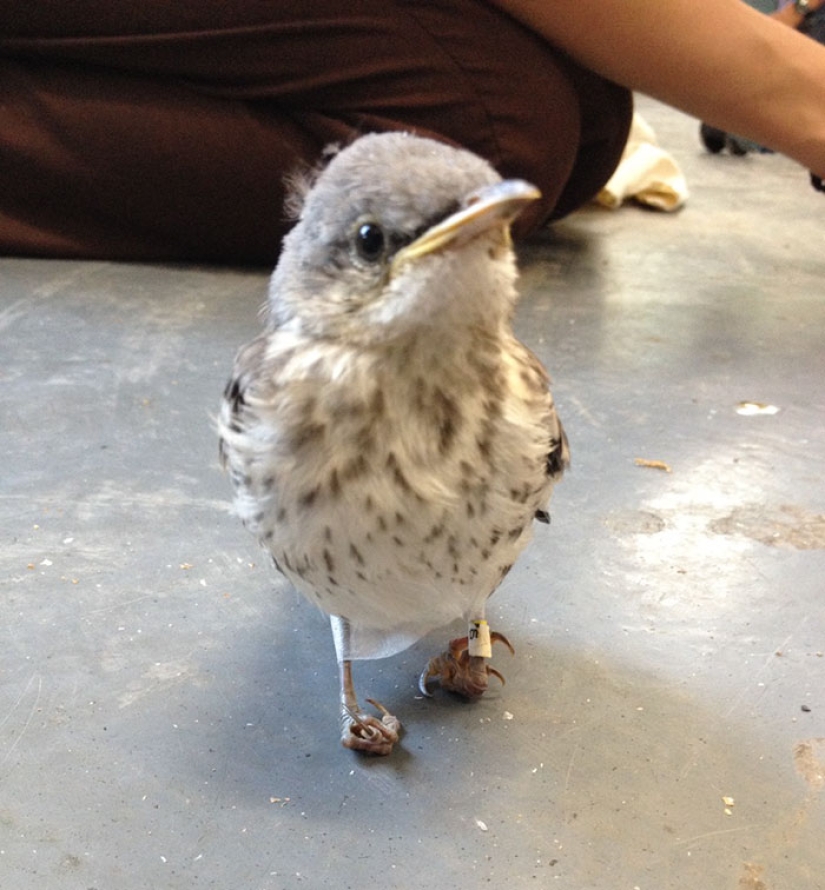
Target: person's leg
{"x":130,"y":168}
{"x":166,"y":131}
{"x":547,"y":120}
{"x":606,"y":115}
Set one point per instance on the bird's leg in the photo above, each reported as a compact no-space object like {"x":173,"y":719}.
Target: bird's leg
{"x":360,"y":731}
{"x":463,"y":668}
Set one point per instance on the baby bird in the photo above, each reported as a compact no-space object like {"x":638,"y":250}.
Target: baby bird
{"x":389,"y":441}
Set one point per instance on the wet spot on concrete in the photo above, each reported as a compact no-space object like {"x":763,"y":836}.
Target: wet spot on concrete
{"x":809,"y":760}
{"x":751,"y":878}
{"x":635,"y":522}
{"x":783,"y":526}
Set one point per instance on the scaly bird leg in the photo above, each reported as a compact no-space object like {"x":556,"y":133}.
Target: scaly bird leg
{"x":458,"y":671}
{"x":360,"y":731}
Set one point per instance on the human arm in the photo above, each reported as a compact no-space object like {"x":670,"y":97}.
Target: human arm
{"x":719,"y":60}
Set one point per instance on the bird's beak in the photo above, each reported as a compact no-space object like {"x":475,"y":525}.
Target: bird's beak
{"x":492,"y":205}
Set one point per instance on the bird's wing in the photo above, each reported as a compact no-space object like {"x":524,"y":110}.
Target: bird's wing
{"x":535,"y":378}
{"x":236,"y":415}
{"x":558,"y":457}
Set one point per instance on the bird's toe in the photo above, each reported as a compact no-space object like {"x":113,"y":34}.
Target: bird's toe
{"x":371,"y":734}
{"x":458,"y":671}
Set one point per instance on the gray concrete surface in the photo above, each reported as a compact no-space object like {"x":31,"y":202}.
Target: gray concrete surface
{"x":168,"y":707}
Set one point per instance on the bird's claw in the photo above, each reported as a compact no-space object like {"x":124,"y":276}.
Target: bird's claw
{"x":458,"y":671}
{"x":365,"y":732}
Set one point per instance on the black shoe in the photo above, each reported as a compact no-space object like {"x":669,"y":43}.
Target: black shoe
{"x":714,"y":140}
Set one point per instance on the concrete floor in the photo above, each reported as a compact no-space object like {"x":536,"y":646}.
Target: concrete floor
{"x":168,"y":707}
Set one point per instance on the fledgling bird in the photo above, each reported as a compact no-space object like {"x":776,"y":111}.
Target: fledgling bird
{"x":389,"y":440}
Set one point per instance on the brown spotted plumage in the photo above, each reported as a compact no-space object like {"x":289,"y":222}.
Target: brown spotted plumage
{"x":388,"y":439}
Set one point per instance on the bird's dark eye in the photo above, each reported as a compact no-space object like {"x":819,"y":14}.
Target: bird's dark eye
{"x":370,"y":242}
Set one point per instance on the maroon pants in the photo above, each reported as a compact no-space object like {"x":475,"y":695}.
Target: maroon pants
{"x":155,"y":130}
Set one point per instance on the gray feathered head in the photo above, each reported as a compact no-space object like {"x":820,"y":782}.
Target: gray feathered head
{"x":380,"y":233}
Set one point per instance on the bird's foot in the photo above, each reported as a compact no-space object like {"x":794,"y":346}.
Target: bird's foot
{"x":367,"y":733}
{"x":458,"y":671}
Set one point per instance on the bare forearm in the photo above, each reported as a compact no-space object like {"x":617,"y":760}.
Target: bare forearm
{"x":719,"y":60}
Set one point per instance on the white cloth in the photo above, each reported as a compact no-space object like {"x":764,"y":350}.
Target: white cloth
{"x":646,"y":173}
